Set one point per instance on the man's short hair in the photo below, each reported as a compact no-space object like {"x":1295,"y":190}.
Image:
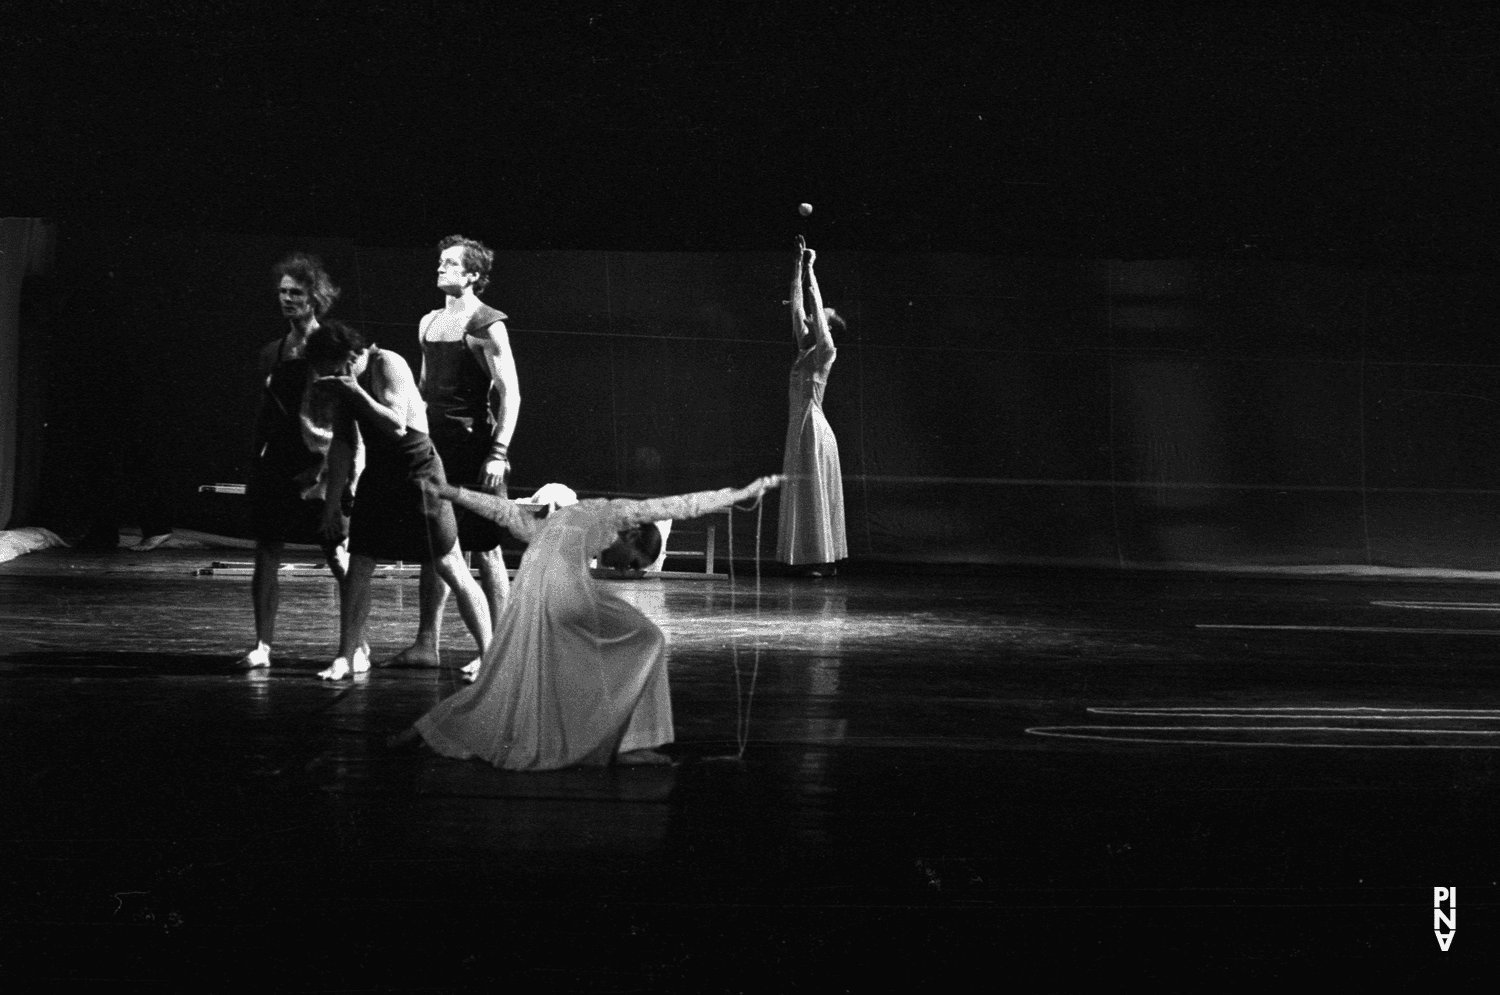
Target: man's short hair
{"x":477,"y":258}
{"x":307,"y":269}
{"x":333,"y":342}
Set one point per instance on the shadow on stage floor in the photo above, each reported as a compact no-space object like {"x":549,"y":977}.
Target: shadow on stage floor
{"x":882,"y":782}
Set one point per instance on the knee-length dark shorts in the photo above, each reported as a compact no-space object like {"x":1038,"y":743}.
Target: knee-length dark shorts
{"x":463,"y":459}
{"x":278,"y":512}
{"x":393,"y":519}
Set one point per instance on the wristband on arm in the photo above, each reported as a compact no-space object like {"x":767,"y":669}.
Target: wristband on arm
{"x":499,"y":451}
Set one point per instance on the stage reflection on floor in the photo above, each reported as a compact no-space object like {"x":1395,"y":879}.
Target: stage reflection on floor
{"x":900,"y":778}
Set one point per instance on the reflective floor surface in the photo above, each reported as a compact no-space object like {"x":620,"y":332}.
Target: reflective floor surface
{"x":882,"y":782}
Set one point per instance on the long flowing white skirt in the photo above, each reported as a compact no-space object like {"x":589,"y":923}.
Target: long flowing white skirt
{"x":811,"y":526}
{"x":575,"y":674}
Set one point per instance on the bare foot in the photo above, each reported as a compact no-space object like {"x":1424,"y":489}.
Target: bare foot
{"x":337,"y":671}
{"x":361,"y":662}
{"x":471,"y":669}
{"x":258,"y":657}
{"x":643,"y":758}
{"x":415,"y":656}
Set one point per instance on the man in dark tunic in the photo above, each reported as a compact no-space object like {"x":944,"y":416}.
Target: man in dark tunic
{"x":286,"y":487}
{"x":469,"y":383}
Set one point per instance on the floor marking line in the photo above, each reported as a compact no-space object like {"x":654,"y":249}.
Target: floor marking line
{"x":1310,"y":715}
{"x":1458,"y":606}
{"x":1310,"y":711}
{"x":1348,"y":729}
{"x":1349,"y":628}
{"x":1056,"y":732}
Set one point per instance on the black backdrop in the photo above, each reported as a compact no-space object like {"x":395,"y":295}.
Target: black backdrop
{"x":988,"y":409}
{"x":1127,"y":283}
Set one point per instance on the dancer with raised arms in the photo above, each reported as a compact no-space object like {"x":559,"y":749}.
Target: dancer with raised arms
{"x":810,"y":537}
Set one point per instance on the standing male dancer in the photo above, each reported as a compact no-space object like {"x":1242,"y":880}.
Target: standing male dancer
{"x":287,"y":478}
{"x":466,"y":365}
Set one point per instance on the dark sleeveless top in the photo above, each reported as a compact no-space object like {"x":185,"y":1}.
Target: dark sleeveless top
{"x":457,"y":386}
{"x":283,"y":393}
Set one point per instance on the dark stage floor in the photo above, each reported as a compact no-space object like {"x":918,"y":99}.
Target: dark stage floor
{"x":1033,"y":779}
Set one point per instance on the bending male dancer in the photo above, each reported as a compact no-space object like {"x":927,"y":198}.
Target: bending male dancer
{"x":473,"y":398}
{"x":287,"y":481}
{"x":393,"y":518}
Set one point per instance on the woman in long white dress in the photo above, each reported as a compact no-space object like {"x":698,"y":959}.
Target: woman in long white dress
{"x":574,"y":674}
{"x":811,"y":532}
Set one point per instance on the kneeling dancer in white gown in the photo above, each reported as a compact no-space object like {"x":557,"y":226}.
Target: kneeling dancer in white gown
{"x":574,"y":674}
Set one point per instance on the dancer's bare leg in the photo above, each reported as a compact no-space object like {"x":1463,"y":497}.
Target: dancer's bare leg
{"x":432,"y":598}
{"x":337,"y":556}
{"x":354,"y":612}
{"x":471,"y":603}
{"x":494,"y":580}
{"x":265,"y":593}
{"x":495,"y":583}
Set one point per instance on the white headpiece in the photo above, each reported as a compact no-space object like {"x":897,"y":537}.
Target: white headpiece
{"x":554,"y":496}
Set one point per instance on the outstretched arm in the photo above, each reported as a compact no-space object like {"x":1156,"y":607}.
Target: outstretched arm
{"x":799,"y":307}
{"x":522,"y":524}
{"x":822,"y":336}
{"x":682,"y":506}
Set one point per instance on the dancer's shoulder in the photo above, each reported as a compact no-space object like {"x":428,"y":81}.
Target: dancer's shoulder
{"x":482,"y":320}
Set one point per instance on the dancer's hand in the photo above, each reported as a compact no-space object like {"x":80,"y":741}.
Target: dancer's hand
{"x":335,"y":526}
{"x":810,"y":255}
{"x":801,"y":245}
{"x":339,"y":383}
{"x":495,"y":472}
{"x":759,"y":487}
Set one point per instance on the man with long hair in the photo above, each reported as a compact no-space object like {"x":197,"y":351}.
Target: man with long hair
{"x":287,"y":478}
